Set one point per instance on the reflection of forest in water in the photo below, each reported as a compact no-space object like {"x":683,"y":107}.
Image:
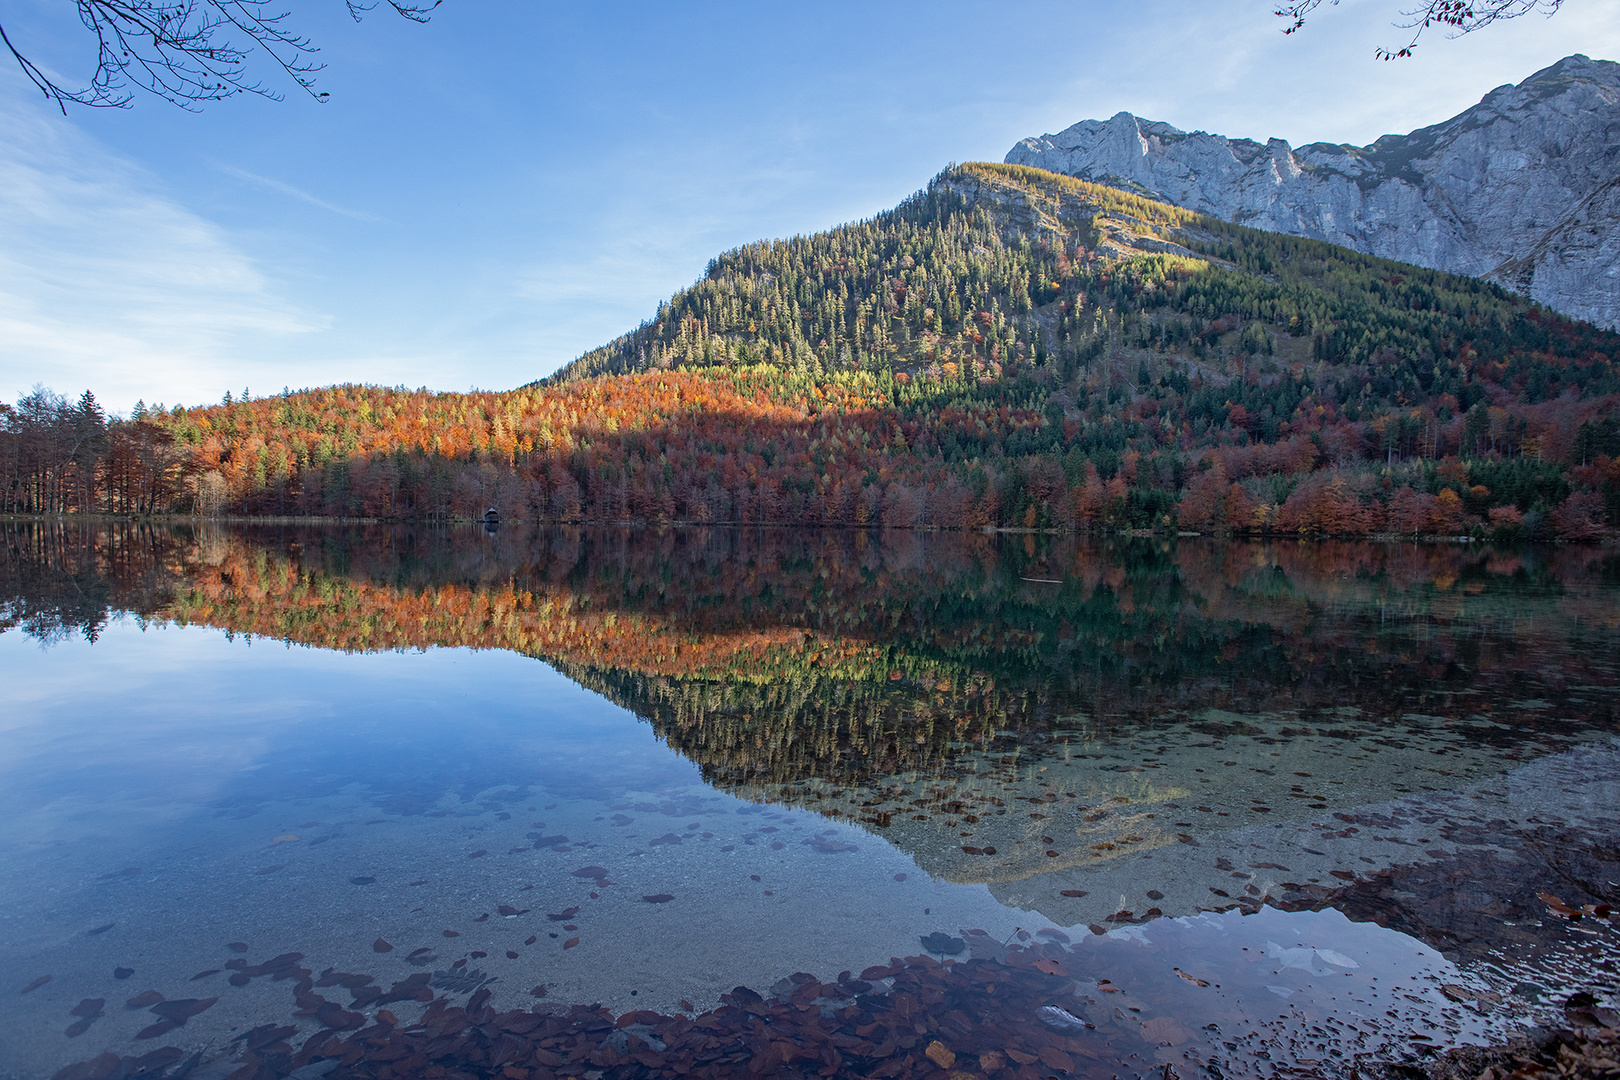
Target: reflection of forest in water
{"x":1036,"y":714}
{"x":774,"y":657}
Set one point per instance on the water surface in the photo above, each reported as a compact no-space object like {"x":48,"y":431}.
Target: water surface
{"x":1254,"y":807}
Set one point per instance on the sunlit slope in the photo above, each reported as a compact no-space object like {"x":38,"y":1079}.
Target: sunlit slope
{"x":1008,"y":347}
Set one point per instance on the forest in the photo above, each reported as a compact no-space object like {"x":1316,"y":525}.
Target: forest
{"x":1008,"y":348}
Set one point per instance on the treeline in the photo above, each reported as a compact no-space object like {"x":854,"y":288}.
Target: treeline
{"x":1007,"y":348}
{"x":59,"y":456}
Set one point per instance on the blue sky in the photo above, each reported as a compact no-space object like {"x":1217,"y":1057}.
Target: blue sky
{"x":489,"y":195}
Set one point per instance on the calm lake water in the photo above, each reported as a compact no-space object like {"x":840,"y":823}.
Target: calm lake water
{"x":392,"y":802}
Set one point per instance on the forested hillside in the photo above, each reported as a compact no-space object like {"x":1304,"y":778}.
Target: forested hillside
{"x":1008,"y":347}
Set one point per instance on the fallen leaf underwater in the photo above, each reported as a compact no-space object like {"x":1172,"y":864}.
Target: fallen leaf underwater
{"x":908,"y":1018}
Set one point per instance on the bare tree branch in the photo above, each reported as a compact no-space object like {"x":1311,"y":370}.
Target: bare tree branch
{"x":191,"y":51}
{"x":1462,"y":16}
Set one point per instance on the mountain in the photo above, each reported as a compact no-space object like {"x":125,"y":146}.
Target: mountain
{"x":1007,"y":348}
{"x":1522,"y":189}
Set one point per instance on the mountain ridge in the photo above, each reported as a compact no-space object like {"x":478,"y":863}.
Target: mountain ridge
{"x":1009,"y":347}
{"x":1519,"y":188}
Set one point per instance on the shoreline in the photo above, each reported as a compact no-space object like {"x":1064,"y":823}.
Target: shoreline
{"x":660,"y":526}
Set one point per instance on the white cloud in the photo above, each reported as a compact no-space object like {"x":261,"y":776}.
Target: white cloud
{"x":293,"y":192}
{"x":107,"y":283}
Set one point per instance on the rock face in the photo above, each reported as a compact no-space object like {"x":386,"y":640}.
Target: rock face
{"x":1523,"y":188}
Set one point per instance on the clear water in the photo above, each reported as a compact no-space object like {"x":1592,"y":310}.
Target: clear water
{"x":1264,"y":808}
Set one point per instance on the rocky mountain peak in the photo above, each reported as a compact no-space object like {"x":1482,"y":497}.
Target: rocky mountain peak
{"x":1522,"y":188}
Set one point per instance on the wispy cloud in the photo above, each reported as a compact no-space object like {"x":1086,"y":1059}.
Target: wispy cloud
{"x":293,"y":192}
{"x":106,"y":282}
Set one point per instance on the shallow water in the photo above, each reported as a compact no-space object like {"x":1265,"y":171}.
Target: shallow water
{"x":1259,"y":808}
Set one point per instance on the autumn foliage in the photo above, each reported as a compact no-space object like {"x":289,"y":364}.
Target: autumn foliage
{"x":1008,"y":348}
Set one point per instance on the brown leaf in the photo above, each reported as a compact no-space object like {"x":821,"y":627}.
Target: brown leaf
{"x":102,"y":1065}
{"x":1051,"y":967}
{"x":1558,"y":906}
{"x":157,"y":1060}
{"x":571,"y":942}
{"x":362,"y":996}
{"x":238,"y":946}
{"x":1073,"y":892}
{"x":1053,"y":1058}
{"x":1021,"y":1057}
{"x":451,"y":933}
{"x":36,"y":984}
{"x":564,"y":915}
{"x":333,"y":1015}
{"x":658,"y":898}
{"x":1189,"y":978}
{"x":89,"y":1007}
{"x":182,"y":1009}
{"x":256,"y":1039}
{"x":940,"y":1054}
{"x":1165,"y":1029}
{"x":152,"y":1031}
{"x":144,"y":998}
{"x":591,"y":872}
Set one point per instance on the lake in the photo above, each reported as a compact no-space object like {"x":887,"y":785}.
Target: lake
{"x":392,"y":801}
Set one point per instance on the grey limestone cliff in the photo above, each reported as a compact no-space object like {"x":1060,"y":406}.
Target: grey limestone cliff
{"x":1523,"y":188}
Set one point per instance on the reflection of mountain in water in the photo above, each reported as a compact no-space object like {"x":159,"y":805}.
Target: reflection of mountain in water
{"x":1029,"y":712}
